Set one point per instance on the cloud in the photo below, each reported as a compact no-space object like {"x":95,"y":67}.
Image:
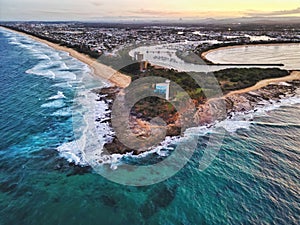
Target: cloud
{"x":184,"y":14}
{"x":276,"y":13}
{"x":65,"y":12}
{"x":96,"y":3}
{"x":148,"y":12}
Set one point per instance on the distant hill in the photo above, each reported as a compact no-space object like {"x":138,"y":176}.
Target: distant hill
{"x":253,"y":20}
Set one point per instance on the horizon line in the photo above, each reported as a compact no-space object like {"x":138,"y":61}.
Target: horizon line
{"x":156,"y":19}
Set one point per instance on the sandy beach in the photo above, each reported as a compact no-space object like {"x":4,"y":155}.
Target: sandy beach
{"x":294,"y":75}
{"x":123,"y":81}
{"x":98,"y":69}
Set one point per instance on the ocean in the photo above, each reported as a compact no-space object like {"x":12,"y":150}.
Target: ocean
{"x":254,"y":178}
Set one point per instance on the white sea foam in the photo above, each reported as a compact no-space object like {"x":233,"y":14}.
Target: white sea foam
{"x":57,"y":96}
{"x":87,"y":142}
{"x":59,"y":65}
{"x":232,"y":126}
{"x":234,"y":123}
{"x":52,"y":69}
{"x":46,"y":73}
{"x":51,"y":64}
{"x":273,"y":105}
{"x":245,"y":120}
{"x":92,"y":146}
{"x":71,"y":152}
{"x":42,"y":56}
{"x":54,"y":104}
{"x":62,"y":85}
{"x":67,"y":112}
{"x":90,"y":137}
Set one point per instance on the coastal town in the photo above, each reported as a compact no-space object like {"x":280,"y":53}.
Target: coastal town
{"x":96,"y":39}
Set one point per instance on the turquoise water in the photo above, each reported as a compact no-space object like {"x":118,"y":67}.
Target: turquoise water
{"x":253,"y":180}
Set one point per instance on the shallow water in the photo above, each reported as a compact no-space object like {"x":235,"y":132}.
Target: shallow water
{"x":165,"y":56}
{"x":287,"y":54}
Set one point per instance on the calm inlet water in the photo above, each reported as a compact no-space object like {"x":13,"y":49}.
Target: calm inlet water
{"x":166,"y":55}
{"x":253,"y":180}
{"x":287,"y":54}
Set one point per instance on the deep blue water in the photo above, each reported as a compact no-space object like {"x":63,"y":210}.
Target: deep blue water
{"x":253,"y":180}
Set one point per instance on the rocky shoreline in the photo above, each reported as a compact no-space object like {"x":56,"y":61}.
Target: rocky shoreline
{"x":272,"y":92}
{"x":206,"y":114}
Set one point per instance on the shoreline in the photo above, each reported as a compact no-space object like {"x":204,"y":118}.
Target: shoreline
{"x":204,"y":54}
{"x":208,"y":113}
{"x":237,"y":101}
{"x":294,"y":75}
{"x":98,"y":69}
{"x":124,"y":81}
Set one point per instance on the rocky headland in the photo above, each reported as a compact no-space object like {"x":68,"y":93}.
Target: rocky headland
{"x":215,"y":109}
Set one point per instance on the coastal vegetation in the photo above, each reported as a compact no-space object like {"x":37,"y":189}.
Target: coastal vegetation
{"x":227,"y":79}
{"x":210,"y":85}
{"x":239,"y":78}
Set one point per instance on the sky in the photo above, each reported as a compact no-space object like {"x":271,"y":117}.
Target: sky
{"x":135,"y":9}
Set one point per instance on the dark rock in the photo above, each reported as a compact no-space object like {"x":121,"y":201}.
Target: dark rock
{"x":207,"y":113}
{"x":58,"y":166}
{"x":148,"y":209}
{"x":161,"y":197}
{"x":109,"y":201}
{"x":116,"y":147}
{"x":79,"y":170}
{"x":173,"y":131}
{"x":164,"y":196}
{"x":8,"y":186}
